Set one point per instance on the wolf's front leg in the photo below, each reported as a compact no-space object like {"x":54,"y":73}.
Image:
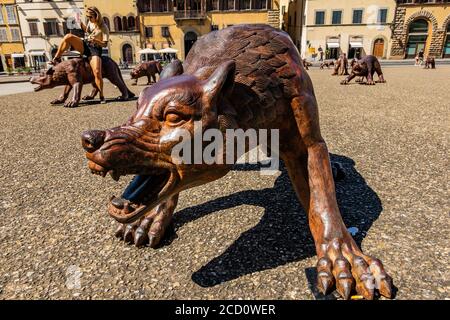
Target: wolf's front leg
{"x":93,"y":93}
{"x":63,"y":97}
{"x":341,"y":262}
{"x":77,"y":87}
{"x":151,"y":228}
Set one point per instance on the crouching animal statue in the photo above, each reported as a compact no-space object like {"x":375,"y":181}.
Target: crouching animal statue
{"x":73,"y":74}
{"x":241,"y":77}
{"x":341,"y":66}
{"x":366,"y":68}
{"x":306,"y":64}
{"x":430,"y":63}
{"x":147,"y":69}
{"x":327,"y":64}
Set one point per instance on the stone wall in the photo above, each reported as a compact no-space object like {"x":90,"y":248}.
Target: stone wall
{"x":400,"y":33}
{"x":273,"y":18}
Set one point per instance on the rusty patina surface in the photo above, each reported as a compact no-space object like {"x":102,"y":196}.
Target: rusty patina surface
{"x":430,"y":63}
{"x":245,"y":76}
{"x":73,"y":74}
{"x":341,"y":66}
{"x":365,"y":68}
{"x":147,"y":69}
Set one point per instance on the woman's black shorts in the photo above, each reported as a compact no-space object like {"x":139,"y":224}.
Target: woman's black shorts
{"x":91,"y":50}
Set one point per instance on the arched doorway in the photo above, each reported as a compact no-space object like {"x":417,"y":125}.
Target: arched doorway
{"x":189,"y":40}
{"x":378,"y":48}
{"x":447,"y":43}
{"x":417,"y":37}
{"x":127,"y":53}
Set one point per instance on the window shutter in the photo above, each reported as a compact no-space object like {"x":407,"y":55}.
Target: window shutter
{"x":33,"y":28}
{"x":60,"y":28}
{"x":46,"y":28}
{"x":64,"y":27}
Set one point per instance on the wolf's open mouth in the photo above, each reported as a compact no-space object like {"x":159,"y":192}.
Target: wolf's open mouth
{"x":159,"y":183}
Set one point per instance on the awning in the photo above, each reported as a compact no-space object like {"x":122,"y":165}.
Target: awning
{"x":333,"y":45}
{"x":17,"y":55}
{"x":168,"y":50}
{"x":37,"y":53}
{"x":357,"y":44}
{"x":147,"y":51}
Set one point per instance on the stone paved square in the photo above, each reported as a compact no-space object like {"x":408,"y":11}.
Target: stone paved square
{"x":244,"y":236}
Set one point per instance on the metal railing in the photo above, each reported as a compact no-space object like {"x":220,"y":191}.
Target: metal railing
{"x":189,"y":14}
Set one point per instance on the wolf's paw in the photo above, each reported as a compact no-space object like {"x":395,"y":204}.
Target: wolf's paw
{"x":88,"y":97}
{"x":350,"y":270}
{"x":149,"y":230}
{"x":71,"y":104}
{"x":57,"y":101}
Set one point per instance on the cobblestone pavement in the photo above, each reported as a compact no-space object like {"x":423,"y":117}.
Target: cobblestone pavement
{"x":245,"y":235}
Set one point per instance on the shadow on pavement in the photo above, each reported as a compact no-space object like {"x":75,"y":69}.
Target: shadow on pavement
{"x":282,"y":235}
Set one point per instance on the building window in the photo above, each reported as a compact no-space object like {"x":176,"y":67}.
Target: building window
{"x":15,"y":34}
{"x":107,"y":23}
{"x":244,"y":4}
{"x":33,"y":25}
{"x":336,"y":17}
{"x":214,"y":27}
{"x":165,"y":32}
{"x":382,"y":16}
{"x":213,"y":5}
{"x":2,"y":21}
{"x":357,"y":16}
{"x":229,"y":5}
{"x":320,"y":17}
{"x":11,"y":13}
{"x":124,"y":24}
{"x":259,"y":4}
{"x":149,"y":32}
{"x":51,"y":28}
{"x":117,"y":24}
{"x":131,"y":23}
{"x":3,"y":35}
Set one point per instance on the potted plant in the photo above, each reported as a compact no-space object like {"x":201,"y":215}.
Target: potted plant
{"x":9,"y":71}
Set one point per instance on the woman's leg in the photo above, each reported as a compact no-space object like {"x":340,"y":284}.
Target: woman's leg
{"x":96,"y":65}
{"x":68,"y":41}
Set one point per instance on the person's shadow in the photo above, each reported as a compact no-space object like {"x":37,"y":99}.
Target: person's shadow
{"x":282,"y":235}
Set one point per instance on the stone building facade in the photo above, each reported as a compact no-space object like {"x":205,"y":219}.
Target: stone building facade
{"x":354,"y":27}
{"x":43,"y":25}
{"x":176,"y":24}
{"x":11,"y":46}
{"x":421,"y":25}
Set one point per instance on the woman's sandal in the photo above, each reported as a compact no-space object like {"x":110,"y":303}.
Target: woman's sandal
{"x":120,"y":98}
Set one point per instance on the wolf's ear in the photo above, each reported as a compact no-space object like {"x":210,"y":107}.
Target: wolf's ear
{"x":175,"y":68}
{"x":221,"y":81}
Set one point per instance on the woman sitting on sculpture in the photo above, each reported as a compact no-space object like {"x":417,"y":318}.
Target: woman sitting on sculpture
{"x":97,"y":37}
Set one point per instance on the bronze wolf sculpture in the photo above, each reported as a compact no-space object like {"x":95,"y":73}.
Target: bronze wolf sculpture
{"x":73,"y":74}
{"x":241,"y":77}
{"x":365,"y":68}
{"x":147,"y":69}
{"x":341,"y":66}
